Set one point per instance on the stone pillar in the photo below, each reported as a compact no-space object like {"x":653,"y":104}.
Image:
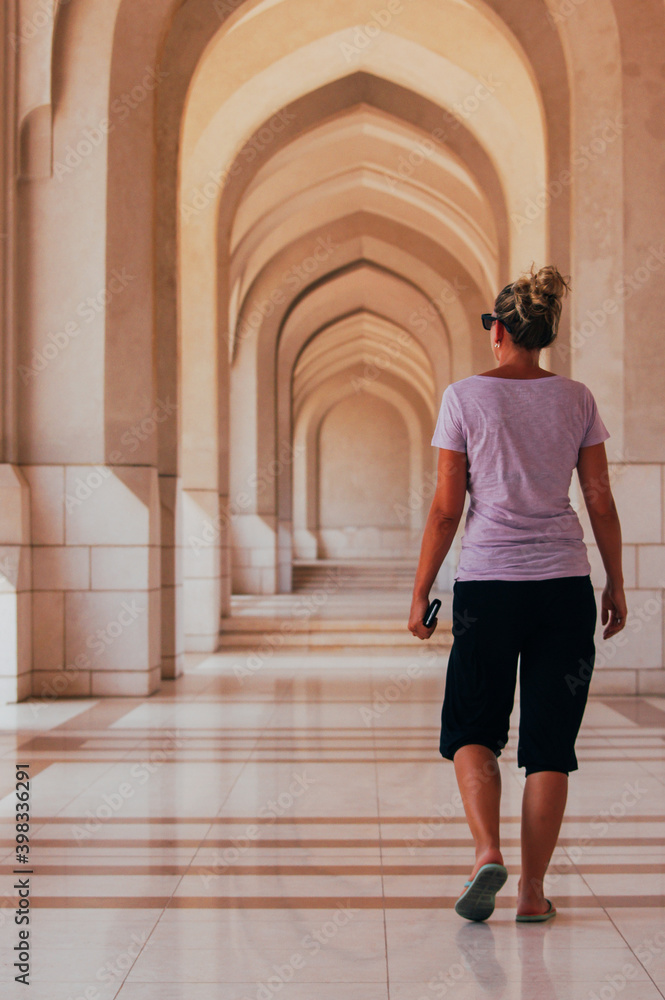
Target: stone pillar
{"x":254,"y":541}
{"x":96,"y":580}
{"x":172,"y":620}
{"x":15,"y":597}
{"x":253,"y":472}
{"x":203,"y":531}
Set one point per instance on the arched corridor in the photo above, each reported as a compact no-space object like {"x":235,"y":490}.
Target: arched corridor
{"x":284,"y":234}
{"x":244,"y":248}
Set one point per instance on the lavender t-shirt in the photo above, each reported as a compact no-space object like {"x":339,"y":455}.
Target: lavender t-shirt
{"x":522,"y":439}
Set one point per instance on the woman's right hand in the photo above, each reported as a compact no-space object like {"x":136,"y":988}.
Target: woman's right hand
{"x":419,"y":606}
{"x":613,"y":609}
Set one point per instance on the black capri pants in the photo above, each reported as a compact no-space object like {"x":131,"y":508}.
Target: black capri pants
{"x":549,"y":625}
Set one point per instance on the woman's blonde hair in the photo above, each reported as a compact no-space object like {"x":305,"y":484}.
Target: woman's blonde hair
{"x":531,"y":307}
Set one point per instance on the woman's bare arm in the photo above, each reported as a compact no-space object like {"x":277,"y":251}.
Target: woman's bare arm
{"x":442,"y":522}
{"x":594,"y":477}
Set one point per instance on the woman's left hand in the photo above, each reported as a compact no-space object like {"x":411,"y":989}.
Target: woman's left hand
{"x":419,"y":608}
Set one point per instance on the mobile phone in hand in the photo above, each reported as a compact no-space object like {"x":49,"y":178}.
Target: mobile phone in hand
{"x":431,"y":612}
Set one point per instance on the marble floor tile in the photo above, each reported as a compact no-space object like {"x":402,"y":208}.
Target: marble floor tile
{"x":250,"y":991}
{"x":529,"y":989}
{"x":270,"y":838}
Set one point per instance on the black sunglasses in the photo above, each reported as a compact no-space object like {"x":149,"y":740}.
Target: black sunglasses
{"x":489,"y":318}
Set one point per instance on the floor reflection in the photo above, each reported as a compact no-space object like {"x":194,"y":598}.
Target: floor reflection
{"x":192,"y":845}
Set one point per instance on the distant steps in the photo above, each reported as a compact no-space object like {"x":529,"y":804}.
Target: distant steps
{"x":332,"y":616}
{"x":366,"y":574}
{"x":317,"y":635}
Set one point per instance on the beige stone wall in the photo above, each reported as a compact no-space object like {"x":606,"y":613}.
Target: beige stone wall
{"x":232,"y":230}
{"x":363,"y":460}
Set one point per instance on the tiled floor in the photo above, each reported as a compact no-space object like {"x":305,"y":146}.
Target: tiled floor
{"x":294,"y":832}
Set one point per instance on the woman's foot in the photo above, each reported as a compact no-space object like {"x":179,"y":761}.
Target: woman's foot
{"x":531,"y":900}
{"x":491,"y":856}
{"x":479,"y":897}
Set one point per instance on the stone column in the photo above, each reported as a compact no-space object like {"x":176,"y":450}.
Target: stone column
{"x":96,"y":580}
{"x":15,"y":597}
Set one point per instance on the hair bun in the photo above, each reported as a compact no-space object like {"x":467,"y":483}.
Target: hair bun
{"x":531,"y":307}
{"x":539,"y":293}
{"x":548,"y":281}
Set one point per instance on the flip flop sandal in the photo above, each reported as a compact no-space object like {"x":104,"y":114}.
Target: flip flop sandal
{"x":477,"y":903}
{"x":536,"y":918}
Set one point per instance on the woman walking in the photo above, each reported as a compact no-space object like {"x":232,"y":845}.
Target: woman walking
{"x":512,"y":437}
